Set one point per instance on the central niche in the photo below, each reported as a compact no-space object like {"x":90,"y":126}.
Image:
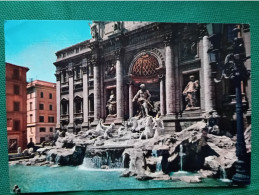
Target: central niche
{"x":145,"y":66}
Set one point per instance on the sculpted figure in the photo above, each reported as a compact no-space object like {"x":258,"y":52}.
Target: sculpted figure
{"x":94,"y":32}
{"x":149,"y":131}
{"x":111,"y":104}
{"x":190,"y":93}
{"x":143,"y":98}
{"x":108,"y":131}
{"x":158,"y":127}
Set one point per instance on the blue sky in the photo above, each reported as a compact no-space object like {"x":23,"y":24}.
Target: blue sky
{"x":33,"y":43}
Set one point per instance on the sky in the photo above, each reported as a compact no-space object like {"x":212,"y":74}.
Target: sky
{"x":33,"y":43}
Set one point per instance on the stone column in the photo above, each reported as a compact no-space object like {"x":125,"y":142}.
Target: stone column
{"x":162,"y":97}
{"x":170,"y":76}
{"x":119,"y":87}
{"x":130,"y":100}
{"x":85,"y":124}
{"x":58,"y":99}
{"x":71,"y":97}
{"x":97,"y":91}
{"x":208,"y":89}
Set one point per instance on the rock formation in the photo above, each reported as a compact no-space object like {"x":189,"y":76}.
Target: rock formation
{"x":155,"y":156}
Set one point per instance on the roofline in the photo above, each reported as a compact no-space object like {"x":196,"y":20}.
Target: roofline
{"x":17,"y":65}
{"x":77,"y":44}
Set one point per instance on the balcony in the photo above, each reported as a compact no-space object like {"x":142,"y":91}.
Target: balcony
{"x":91,"y":114}
{"x":78,"y":115}
{"x":64,"y":117}
{"x":64,"y":90}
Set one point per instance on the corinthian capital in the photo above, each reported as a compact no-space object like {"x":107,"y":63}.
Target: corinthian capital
{"x":117,"y":53}
{"x":58,"y":75}
{"x":168,"y":39}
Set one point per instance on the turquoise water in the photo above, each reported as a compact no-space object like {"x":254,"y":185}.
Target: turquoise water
{"x":68,"y":178}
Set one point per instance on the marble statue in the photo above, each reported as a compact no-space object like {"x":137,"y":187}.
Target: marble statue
{"x":111,"y":104}
{"x":148,"y":131}
{"x":158,"y":127}
{"x":190,"y":93}
{"x":94,"y":32}
{"x":143,"y":98}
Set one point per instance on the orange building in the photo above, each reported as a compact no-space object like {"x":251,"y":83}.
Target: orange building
{"x":16,"y":106}
{"x":41,"y":111}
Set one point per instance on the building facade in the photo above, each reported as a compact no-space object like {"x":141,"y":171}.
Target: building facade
{"x":16,"y":106}
{"x":41,"y":111}
{"x":169,"y":59}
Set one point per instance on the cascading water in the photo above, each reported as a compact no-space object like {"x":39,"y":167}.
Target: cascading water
{"x":109,"y":159}
{"x":223,"y":175}
{"x":181,"y":154}
{"x":158,"y":160}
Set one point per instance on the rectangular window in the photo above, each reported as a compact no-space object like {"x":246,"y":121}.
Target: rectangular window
{"x":51,"y":119}
{"x":30,"y":105}
{"x":16,"y":106}
{"x":30,"y":118}
{"x":42,"y":139}
{"x":41,"y":106}
{"x":41,"y":95}
{"x":16,"y":125}
{"x":51,"y":129}
{"x":42,"y":129}
{"x":50,"y":96}
{"x":41,"y":119}
{"x":50,"y":107}
{"x":16,"y":75}
{"x":16,"y":89}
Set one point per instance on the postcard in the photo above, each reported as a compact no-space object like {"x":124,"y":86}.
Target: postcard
{"x":106,"y":105}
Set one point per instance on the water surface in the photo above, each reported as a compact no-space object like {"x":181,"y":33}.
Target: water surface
{"x":78,"y":178}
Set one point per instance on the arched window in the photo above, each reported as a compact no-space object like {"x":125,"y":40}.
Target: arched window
{"x":78,"y":104}
{"x":64,"y":106}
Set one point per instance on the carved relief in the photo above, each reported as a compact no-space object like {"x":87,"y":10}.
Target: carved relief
{"x":188,"y":49}
{"x":110,"y":69}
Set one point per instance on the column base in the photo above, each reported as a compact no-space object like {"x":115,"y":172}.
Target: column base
{"x":70,"y":128}
{"x":241,"y":176}
{"x":95,"y":123}
{"x":170,"y":116}
{"x":57,"y":127}
{"x":118,"y":121}
{"x":85,"y":126}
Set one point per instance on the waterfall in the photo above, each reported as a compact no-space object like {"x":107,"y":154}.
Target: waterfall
{"x":106,"y":160}
{"x":158,"y":160}
{"x":223,"y":175}
{"x":123,"y":161}
{"x":181,"y":154}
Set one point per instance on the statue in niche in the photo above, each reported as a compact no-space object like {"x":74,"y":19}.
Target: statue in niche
{"x":111,"y":104}
{"x":191,"y":94}
{"x":143,"y":99}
